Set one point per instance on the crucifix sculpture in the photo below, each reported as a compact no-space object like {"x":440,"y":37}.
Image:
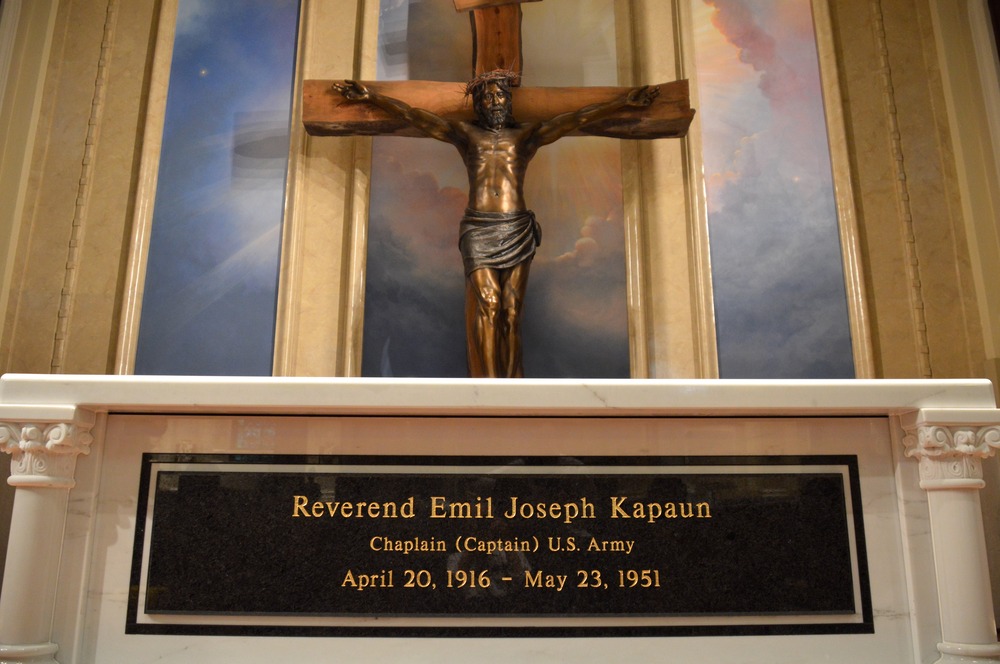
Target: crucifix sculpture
{"x":498,"y":234}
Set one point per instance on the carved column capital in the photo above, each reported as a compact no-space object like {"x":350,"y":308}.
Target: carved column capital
{"x":951,"y":455}
{"x":44,"y":449}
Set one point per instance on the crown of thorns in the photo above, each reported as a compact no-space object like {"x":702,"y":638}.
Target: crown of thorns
{"x":508,"y":76}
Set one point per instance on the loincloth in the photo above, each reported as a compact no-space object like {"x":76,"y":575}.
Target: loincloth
{"x":497,"y":240}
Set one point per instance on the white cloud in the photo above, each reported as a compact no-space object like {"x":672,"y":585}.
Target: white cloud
{"x":193,"y":16}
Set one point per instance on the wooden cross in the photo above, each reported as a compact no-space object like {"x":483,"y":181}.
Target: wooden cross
{"x":496,"y":26}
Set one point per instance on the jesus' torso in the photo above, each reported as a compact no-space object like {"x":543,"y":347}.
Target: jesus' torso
{"x":496,"y":162}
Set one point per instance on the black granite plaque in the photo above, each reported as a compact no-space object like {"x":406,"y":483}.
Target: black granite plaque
{"x":599,"y":540}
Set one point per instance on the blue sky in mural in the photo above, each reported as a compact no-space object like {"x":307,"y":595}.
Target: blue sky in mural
{"x":575,"y":322}
{"x":780,"y":301}
{"x":211,"y":276}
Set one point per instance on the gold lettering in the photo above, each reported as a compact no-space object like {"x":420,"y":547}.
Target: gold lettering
{"x":512,"y":512}
{"x":490,"y":547}
{"x":542,"y":580}
{"x":616,"y":508}
{"x":654,"y":512}
{"x":299,"y":505}
{"x":615,"y":546}
{"x":381,"y":579}
{"x":460,"y":511}
{"x":374,"y":510}
{"x":567,"y":512}
{"x":442,"y":509}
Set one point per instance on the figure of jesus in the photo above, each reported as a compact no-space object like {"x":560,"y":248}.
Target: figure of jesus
{"x":498,"y":234}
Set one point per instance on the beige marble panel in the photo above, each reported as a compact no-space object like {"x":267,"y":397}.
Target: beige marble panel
{"x":321,"y":291}
{"x":946,"y":284}
{"x":965,"y":46}
{"x":25,"y":39}
{"x":677,"y":307}
{"x":869,"y":108}
{"x":91,"y":329}
{"x":54,"y":185}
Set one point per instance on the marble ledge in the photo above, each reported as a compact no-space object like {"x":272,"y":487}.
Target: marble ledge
{"x":476,"y":397}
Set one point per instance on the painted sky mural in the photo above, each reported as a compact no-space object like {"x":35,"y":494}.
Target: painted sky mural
{"x":780,"y":302}
{"x":575,"y":314}
{"x":212,"y":271}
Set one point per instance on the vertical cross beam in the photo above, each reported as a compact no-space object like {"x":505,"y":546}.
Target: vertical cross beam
{"x":496,"y":34}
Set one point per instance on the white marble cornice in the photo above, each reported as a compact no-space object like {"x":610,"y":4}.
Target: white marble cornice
{"x":44,"y":442}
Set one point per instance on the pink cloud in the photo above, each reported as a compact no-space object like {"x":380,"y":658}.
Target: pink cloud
{"x":776,"y":40}
{"x":597,"y":237}
{"x":736,"y":21}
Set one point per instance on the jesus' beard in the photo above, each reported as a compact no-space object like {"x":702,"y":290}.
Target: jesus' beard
{"x":496,"y":117}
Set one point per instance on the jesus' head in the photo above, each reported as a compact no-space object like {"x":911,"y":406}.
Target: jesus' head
{"x":492,"y":98}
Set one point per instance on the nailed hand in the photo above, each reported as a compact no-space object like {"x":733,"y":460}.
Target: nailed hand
{"x":643,"y":96}
{"x":352,"y":90}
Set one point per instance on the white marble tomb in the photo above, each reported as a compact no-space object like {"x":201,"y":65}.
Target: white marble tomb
{"x":76,"y":444}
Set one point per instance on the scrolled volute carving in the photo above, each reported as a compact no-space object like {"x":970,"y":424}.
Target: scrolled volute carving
{"x":951,"y":456}
{"x":951,"y":469}
{"x":44,"y":453}
{"x":940,"y":441}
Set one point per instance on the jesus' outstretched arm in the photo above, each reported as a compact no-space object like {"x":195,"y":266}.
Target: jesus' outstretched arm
{"x":429,"y":123}
{"x":557,"y":127}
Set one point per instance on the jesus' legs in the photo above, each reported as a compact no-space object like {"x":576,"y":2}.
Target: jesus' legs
{"x":482,"y":317}
{"x":493,"y":302}
{"x":514,"y":284}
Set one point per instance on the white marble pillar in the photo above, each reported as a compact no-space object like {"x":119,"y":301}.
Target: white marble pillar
{"x":43,"y":464}
{"x":950,"y":448}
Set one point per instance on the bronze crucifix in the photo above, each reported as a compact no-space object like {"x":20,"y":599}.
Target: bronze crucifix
{"x":498,"y":233}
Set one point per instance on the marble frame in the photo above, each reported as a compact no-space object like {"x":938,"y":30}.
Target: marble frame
{"x":843,"y":184}
{"x":149,"y":166}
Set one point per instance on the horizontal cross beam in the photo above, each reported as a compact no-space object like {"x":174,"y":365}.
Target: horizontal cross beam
{"x":325,"y":112}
